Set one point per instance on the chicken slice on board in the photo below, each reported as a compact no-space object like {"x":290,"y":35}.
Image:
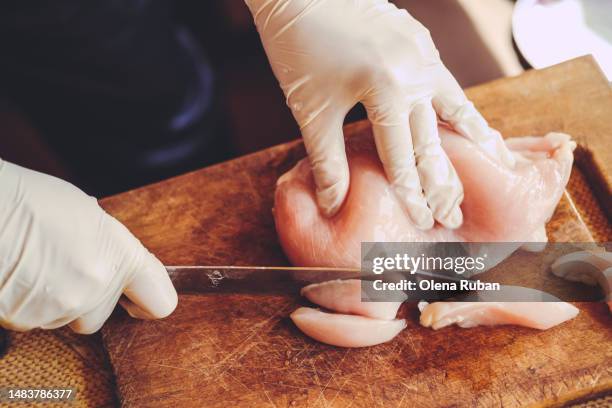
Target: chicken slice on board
{"x":536,"y":309}
{"x":591,"y":267}
{"x":345,"y":330}
{"x":543,"y":315}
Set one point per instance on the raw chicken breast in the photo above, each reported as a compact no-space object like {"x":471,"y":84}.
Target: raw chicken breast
{"x":538,"y":315}
{"x":345,"y":330}
{"x":344,"y":296}
{"x":500,"y":204}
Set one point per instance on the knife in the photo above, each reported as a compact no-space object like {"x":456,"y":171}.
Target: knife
{"x":268,"y":279}
{"x":253,"y":279}
{"x":290,"y":279}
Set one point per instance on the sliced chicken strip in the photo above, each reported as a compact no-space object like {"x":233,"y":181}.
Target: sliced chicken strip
{"x":345,"y":296}
{"x":537,"y":315}
{"x":345,"y":330}
{"x":592,"y":267}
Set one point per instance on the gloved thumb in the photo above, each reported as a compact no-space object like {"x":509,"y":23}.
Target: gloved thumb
{"x":150,"y":292}
{"x":147,"y":286}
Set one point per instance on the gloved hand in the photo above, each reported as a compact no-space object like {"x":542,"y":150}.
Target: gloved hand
{"x":63,"y":260}
{"x":329,"y":55}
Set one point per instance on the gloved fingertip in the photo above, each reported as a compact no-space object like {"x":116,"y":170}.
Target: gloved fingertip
{"x":416,"y":207}
{"x":331,"y":198}
{"x":328,"y":210}
{"x":421,"y":216}
{"x":424,"y":221}
{"x":453,"y":220}
{"x":151,"y":289}
{"x":168,"y":298}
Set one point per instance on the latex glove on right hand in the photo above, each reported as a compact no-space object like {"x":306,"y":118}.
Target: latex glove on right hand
{"x":328,"y":55}
{"x":63,"y":260}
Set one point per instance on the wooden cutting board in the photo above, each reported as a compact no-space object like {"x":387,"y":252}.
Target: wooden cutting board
{"x":242,"y":350}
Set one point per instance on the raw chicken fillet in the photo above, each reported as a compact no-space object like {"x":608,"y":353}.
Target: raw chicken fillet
{"x":501,"y":204}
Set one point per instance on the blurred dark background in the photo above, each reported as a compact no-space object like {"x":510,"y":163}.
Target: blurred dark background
{"x":111,"y":95}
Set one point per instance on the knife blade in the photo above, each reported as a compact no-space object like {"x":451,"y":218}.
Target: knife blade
{"x":252,"y":279}
{"x":273,"y":279}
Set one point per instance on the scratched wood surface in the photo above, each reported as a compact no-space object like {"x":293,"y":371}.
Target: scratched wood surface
{"x":242,"y":350}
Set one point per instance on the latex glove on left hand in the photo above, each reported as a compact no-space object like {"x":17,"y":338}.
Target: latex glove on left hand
{"x":328,"y":55}
{"x":63,"y":260}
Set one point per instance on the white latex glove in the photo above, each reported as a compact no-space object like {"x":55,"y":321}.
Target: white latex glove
{"x":329,"y":55}
{"x":63,"y":260}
